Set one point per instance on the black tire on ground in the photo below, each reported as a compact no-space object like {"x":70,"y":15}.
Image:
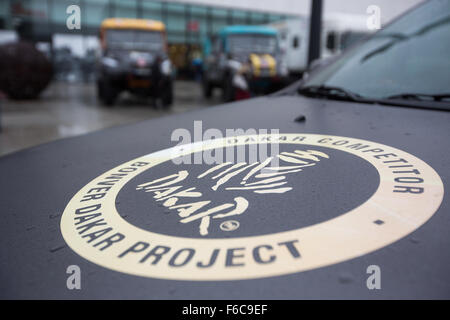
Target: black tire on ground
{"x":106,"y":93}
{"x":228,"y":89}
{"x":167,"y":96}
{"x":99,"y":91}
{"x":207,"y":88}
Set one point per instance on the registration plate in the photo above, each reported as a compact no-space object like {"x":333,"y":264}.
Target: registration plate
{"x":139,"y":83}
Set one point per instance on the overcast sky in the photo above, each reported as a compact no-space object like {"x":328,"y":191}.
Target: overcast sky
{"x":389,"y":8}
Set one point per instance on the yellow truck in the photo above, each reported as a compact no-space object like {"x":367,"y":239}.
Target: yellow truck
{"x":134,"y":58}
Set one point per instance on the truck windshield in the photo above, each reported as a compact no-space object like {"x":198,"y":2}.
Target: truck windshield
{"x":134,"y":40}
{"x":252,"y":43}
{"x":409,"y":59}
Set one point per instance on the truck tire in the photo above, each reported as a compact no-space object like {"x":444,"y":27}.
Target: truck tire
{"x":207,"y":88}
{"x":167,"y":96}
{"x":228,"y":89}
{"x":106,"y":93}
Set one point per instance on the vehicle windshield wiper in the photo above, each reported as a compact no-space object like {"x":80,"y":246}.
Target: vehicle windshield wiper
{"x":411,"y":100}
{"x":334,"y":93}
{"x":420,"y":97}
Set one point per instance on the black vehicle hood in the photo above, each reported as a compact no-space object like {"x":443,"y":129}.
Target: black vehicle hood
{"x":36,"y":184}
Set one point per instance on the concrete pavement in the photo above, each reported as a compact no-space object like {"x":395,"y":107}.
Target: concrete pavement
{"x":70,"y":109}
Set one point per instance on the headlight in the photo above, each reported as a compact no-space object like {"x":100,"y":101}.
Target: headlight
{"x":110,"y":62}
{"x":166,"y":67}
{"x":234,"y":65}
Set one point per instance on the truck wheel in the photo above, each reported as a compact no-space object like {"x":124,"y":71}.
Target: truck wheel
{"x":167,"y":96}
{"x":100,"y":94}
{"x":106,"y":93}
{"x":207,"y":88}
{"x":228,"y":90}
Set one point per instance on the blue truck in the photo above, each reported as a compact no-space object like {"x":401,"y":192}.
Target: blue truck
{"x":243,"y":61}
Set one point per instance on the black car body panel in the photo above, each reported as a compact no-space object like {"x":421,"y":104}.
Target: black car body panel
{"x":37,"y":184}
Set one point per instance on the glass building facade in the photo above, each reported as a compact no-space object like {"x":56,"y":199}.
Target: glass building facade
{"x":186,"y":23}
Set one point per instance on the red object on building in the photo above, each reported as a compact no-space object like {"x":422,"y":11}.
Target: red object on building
{"x":192,"y":26}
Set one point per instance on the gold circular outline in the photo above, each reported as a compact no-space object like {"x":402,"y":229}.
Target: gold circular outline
{"x":345,"y":237}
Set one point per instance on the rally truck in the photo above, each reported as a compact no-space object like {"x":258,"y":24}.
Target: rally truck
{"x":244,"y":61}
{"x":134,"y":59}
{"x":349,"y":201}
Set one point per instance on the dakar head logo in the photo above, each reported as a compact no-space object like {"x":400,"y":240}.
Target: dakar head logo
{"x":224,"y":195}
{"x":258,"y":177}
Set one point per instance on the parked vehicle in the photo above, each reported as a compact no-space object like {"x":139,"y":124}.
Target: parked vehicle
{"x":134,"y":58}
{"x":352,"y":202}
{"x":339,"y":31}
{"x":244,"y":60}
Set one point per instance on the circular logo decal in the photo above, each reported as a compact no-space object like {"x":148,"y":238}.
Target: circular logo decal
{"x":317,"y":201}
